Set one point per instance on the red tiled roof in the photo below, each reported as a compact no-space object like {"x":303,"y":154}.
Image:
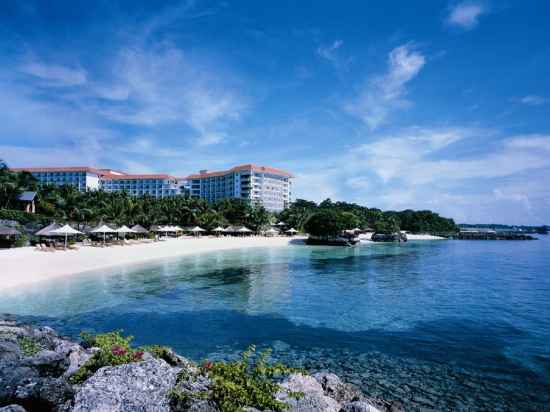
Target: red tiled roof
{"x":104,"y":173}
{"x":253,"y":167}
{"x":57,"y":169}
{"x":137,"y":177}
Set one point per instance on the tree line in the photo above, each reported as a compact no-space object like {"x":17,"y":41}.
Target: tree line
{"x":304,"y":214}
{"x":67,"y":204}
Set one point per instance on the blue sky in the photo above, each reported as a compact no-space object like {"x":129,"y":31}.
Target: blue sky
{"x":435,"y":104}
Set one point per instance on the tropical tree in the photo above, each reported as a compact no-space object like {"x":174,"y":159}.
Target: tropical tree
{"x":330,"y":223}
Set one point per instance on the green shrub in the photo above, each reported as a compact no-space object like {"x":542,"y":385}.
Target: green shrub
{"x":159,"y":352}
{"x":249,"y":381}
{"x":114,"y":349}
{"x":28,"y":346}
{"x":22,"y":217}
{"x":21,"y":241}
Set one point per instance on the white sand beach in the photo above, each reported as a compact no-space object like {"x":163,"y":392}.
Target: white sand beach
{"x":424,"y":237}
{"x":23,"y":266}
{"x":410,"y":236}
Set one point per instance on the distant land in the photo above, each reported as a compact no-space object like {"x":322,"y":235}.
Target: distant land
{"x":543,"y":229}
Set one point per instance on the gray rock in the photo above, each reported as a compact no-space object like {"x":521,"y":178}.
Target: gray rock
{"x":13,"y":408}
{"x":359,"y":406}
{"x":139,"y":386}
{"x":335,"y":388}
{"x":313,"y":399}
{"x":36,"y":381}
{"x":77,"y":357}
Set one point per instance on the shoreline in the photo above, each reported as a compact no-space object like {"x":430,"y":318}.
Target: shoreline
{"x":410,"y":236}
{"x":26,"y":266}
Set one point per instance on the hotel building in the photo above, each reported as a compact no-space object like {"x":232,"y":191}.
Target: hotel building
{"x":262,"y":185}
{"x":82,"y":178}
{"x":88,"y":178}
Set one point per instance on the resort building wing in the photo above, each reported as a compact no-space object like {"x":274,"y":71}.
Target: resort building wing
{"x":89,"y":178}
{"x":267,"y":186}
{"x":262,"y":185}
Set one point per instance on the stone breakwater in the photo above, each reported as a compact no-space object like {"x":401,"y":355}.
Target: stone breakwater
{"x":36,"y":365}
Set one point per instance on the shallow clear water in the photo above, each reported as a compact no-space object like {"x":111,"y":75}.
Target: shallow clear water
{"x":445,"y":325}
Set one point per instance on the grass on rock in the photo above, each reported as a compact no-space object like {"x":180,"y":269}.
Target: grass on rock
{"x":28,"y":346}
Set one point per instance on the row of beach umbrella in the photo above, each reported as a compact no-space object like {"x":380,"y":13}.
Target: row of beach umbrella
{"x":65,"y":230}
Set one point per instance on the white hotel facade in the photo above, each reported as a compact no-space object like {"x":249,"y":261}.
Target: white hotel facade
{"x":262,"y":185}
{"x":89,"y":178}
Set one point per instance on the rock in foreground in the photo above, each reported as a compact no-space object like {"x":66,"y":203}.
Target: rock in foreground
{"x":36,"y":366}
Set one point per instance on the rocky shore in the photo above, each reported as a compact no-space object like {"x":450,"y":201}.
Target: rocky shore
{"x":37,"y":367}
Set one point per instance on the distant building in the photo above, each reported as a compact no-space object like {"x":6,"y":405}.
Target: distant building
{"x":28,"y":198}
{"x":82,"y":178}
{"x":261,"y":185}
{"x":160,"y":185}
{"x":88,"y":178}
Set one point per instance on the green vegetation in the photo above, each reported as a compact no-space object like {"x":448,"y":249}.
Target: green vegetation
{"x":114,"y":349}
{"x":247,"y":382}
{"x":28,"y":346}
{"x":423,"y":221}
{"x":159,"y":352}
{"x":21,"y":241}
{"x":329,"y":223}
{"x":66,"y":204}
{"x":22,"y":217}
{"x":387,"y":225}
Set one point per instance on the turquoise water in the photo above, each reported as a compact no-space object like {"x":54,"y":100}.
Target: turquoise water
{"x":444,"y":325}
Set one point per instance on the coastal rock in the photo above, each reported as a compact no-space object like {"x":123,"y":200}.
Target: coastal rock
{"x":336,"y":389}
{"x":389,"y":237}
{"x":313,"y":399}
{"x":34,"y":364}
{"x":139,"y":386}
{"x":13,"y":408}
{"x":359,"y":406}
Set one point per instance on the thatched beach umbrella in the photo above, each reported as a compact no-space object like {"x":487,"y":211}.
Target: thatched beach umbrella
{"x":9,"y":231}
{"x":103,"y":229}
{"x":140,"y":229}
{"x":271,"y":232}
{"x":45,"y":231}
{"x":244,"y":230}
{"x":292,"y":231}
{"x":218,"y":230}
{"x":66,"y":230}
{"x":197,"y":230}
{"x":124,"y":229}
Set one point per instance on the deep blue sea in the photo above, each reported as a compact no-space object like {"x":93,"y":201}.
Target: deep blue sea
{"x":442,"y":325}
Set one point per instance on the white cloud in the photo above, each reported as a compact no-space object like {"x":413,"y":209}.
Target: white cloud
{"x":161,"y":85}
{"x":466,"y":15}
{"x":385,"y":93}
{"x":329,"y":51}
{"x":211,"y":138}
{"x":533,"y":100}
{"x":533,"y":141}
{"x":420,"y":168}
{"x":54,"y":74}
